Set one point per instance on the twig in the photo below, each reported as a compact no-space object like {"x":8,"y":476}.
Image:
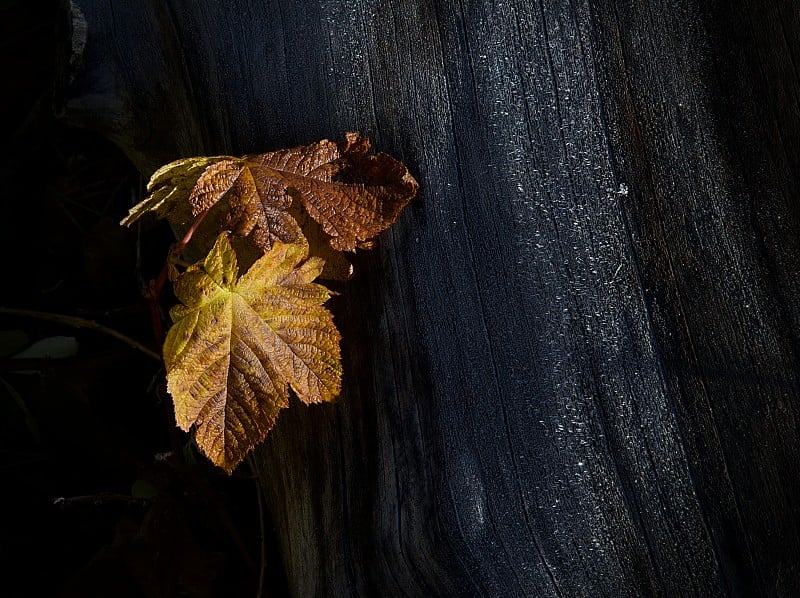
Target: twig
{"x":76,"y":322}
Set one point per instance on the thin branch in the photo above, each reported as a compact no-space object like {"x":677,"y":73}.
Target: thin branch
{"x":76,"y":322}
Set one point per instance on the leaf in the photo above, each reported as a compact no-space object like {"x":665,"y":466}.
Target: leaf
{"x":265,"y":219}
{"x":239,"y":343}
{"x":52,"y":347}
{"x":168,"y":185}
{"x":351,"y":194}
{"x":169,"y":188}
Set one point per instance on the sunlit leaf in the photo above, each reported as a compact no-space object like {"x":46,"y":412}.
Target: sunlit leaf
{"x":350,"y":194}
{"x":239,"y":343}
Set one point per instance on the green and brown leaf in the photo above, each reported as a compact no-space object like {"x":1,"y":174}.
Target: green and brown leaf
{"x":239,"y":343}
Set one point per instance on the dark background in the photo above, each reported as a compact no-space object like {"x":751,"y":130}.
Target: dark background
{"x":87,"y":429}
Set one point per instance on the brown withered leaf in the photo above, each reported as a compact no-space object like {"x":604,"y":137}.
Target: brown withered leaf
{"x":251,"y":211}
{"x":351,"y":194}
{"x":239,"y":343}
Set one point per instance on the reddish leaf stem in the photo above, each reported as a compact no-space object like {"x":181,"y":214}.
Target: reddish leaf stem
{"x":154,"y":292}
